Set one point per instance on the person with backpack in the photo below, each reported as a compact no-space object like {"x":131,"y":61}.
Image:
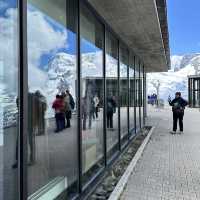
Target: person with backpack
{"x":178,"y":106}
{"x":69,"y":106}
{"x":59,"y":107}
{"x":96,"y":104}
{"x":110,"y":109}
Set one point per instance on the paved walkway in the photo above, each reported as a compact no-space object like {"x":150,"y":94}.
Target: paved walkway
{"x":170,"y":166}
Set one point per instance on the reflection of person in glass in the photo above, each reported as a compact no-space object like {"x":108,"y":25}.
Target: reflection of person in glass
{"x":40,"y":108}
{"x":69,"y":106}
{"x":84,"y":112}
{"x":36,"y":122}
{"x":96,"y":104}
{"x":59,"y":107}
{"x":91,"y":111}
{"x":16,"y":151}
{"x":88,"y":110}
{"x":110,"y":109}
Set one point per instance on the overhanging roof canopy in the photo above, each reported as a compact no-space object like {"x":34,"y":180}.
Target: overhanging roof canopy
{"x":142,"y":25}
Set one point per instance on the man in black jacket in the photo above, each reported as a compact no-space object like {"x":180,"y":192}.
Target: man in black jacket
{"x":178,"y":107}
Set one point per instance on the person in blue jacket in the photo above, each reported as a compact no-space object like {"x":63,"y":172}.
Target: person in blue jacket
{"x":178,"y":106}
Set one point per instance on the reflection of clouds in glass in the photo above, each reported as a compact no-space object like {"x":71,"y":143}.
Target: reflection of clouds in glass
{"x":131,"y":72}
{"x":3,"y":5}
{"x":123,"y":70}
{"x":111,"y":66}
{"x":92,"y":64}
{"x":8,"y":49}
{"x":42,"y":39}
{"x":8,"y":65}
{"x":45,"y":37}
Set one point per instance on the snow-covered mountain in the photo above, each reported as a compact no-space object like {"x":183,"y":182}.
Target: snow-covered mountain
{"x":60,"y":74}
{"x":57,"y":76}
{"x":176,"y":78}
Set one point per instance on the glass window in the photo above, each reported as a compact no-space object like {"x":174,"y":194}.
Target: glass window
{"x":52,"y":110}
{"x":124,"y":91}
{"x":92,"y":93}
{"x":132,"y":95}
{"x":141,"y":94}
{"x":8,"y":100}
{"x":111,"y":93}
{"x":137,"y":93}
{"x":145,"y":95}
{"x":192,"y":89}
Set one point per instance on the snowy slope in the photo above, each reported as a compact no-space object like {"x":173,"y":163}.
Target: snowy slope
{"x":176,"y":78}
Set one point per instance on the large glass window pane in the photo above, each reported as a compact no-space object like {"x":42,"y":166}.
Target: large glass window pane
{"x":137,"y":93}
{"x":132,"y":95}
{"x":141,"y":95}
{"x":145,"y":96}
{"x":52,"y":108}
{"x":92,"y":93}
{"x":124,"y":91}
{"x":111,"y":93}
{"x":8,"y":100}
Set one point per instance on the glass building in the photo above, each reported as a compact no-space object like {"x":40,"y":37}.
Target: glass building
{"x":73,"y":90}
{"x":194,"y":91}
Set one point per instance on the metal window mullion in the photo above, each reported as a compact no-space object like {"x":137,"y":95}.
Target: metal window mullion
{"x":128,"y":88}
{"x":145,"y":96}
{"x":189,"y":91}
{"x":104,"y":98}
{"x":193,"y":93}
{"x":134,"y":95}
{"x":118,"y":93}
{"x":139,"y":90}
{"x":79,"y":130}
{"x":199,"y":91}
{"x":23,"y":99}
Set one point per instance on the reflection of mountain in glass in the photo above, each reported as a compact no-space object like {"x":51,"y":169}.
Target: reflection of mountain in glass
{"x":51,"y":62}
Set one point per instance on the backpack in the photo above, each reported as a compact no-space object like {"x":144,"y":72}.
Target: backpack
{"x":109,"y":107}
{"x":72,"y":103}
{"x":177,"y":108}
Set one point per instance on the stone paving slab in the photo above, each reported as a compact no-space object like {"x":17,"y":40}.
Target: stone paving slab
{"x":169,"y":168}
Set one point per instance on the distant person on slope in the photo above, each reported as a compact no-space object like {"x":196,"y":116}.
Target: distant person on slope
{"x":178,"y":106}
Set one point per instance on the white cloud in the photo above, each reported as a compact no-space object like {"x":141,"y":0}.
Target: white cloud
{"x":8,"y":49}
{"x":42,"y":39}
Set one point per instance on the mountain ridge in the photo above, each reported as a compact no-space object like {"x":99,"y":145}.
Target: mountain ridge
{"x":176,"y":78}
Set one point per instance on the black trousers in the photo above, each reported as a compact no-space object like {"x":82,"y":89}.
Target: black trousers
{"x":96,"y":111}
{"x":68,"y":116}
{"x":60,"y":121}
{"x":177,"y":117}
{"x":109,"y":120}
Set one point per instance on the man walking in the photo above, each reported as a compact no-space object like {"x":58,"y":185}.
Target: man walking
{"x":178,"y":106}
{"x":69,"y":106}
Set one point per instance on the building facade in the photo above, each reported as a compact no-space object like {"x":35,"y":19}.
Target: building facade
{"x":72,"y":90}
{"x":194,"y":91}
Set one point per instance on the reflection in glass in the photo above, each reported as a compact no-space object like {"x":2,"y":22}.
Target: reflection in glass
{"x":8,"y":101}
{"x":111,"y":92}
{"x":137,"y":93}
{"x":132,"y":95}
{"x":124,"y":91}
{"x":141,"y":95}
{"x":92,"y":93}
{"x":52,"y":114}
